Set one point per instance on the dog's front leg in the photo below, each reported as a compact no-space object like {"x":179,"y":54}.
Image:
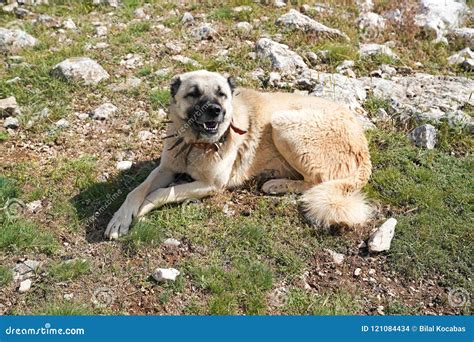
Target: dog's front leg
{"x":120,"y":222}
{"x":173,"y":194}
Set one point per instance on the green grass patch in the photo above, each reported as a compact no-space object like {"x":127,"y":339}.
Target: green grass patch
{"x":435,"y":189}
{"x":5,"y":276}
{"x":160,"y":98}
{"x":64,"y":309}
{"x":69,"y":270}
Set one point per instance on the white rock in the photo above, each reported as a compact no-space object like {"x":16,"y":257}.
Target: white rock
{"x":371,"y":22}
{"x":9,"y":106}
{"x":15,"y":39}
{"x":104,"y":111}
{"x":81,"y":69}
{"x":62,"y":123}
{"x":25,"y":270}
{"x":140,"y":13}
{"x":131,"y":61}
{"x":347,"y":64}
{"x":185,"y":60}
{"x":279,"y":3}
{"x":101,"y":31}
{"x":34,"y":206}
{"x":365,"y":5}
{"x":111,"y":3}
{"x":243,"y":26}
{"x":68,"y":296}
{"x":462,"y":59}
{"x":187,"y":18}
{"x":162,"y":72}
{"x":366,"y":50}
{"x":165,"y":274}
{"x":25,"y":286}
{"x":274,"y":78}
{"x":11,"y":122}
{"x":357,"y":272}
{"x":242,"y":9}
{"x":145,"y":135}
{"x":381,"y":239}
{"x":338,"y":258}
{"x":204,"y":32}
{"x":280,"y":56}
{"x":312,"y":58}
{"x":171,"y":243}
{"x":388,"y":70}
{"x":424,"y":136}
{"x":69,"y":24}
{"x":82,"y":116}
{"x":438,"y":16}
{"x":299,"y":21}
{"x":124,"y":165}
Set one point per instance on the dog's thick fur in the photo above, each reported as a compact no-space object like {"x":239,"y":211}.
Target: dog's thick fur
{"x":308,"y":144}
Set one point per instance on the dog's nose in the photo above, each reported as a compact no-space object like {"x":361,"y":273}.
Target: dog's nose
{"x":214,"y":109}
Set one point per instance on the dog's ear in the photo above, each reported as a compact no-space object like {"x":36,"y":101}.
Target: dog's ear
{"x":175,"y":84}
{"x":232,"y":83}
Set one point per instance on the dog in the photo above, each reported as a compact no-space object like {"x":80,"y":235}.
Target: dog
{"x":222,"y":136}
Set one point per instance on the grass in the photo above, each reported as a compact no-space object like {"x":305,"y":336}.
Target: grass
{"x":69,"y":270}
{"x":5,"y":276}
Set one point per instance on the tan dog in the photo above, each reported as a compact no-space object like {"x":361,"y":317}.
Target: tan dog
{"x":222,"y":137}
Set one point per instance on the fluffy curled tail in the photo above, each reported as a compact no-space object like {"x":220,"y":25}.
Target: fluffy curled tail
{"x":336,"y":202}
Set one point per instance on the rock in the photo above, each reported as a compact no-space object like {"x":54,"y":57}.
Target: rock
{"x":187,"y":18}
{"x":104,"y":111}
{"x":357,"y":272}
{"x":463,"y":59}
{"x":111,"y":3}
{"x":338,"y":258}
{"x":387,"y":70}
{"x":25,"y":286}
{"x":204,"y":32}
{"x":171,"y":243}
{"x":365,"y":5}
{"x":25,"y":270}
{"x":15,"y":39}
{"x":462,"y":36}
{"x":347,"y":64}
{"x":68,"y":296}
{"x":34,"y":206}
{"x":124,"y":165}
{"x":280,"y":56}
{"x":9,"y":106}
{"x":80,"y":69}
{"x":82,"y":116}
{"x":274,"y":78}
{"x":131,"y":61}
{"x":165,"y":274}
{"x":371,"y":22}
{"x":186,"y":60}
{"x":279,"y":4}
{"x":296,"y":20}
{"x":243,"y":26}
{"x":381,"y":239}
{"x":140,"y":13}
{"x":242,"y":9}
{"x":312,"y":58}
{"x":367,"y":50}
{"x":173,"y":47}
{"x":62,"y":123}
{"x":145,"y":135}
{"x":437,"y":17}
{"x":69,"y":24}
{"x":424,"y":136}
{"x":101,"y":31}
{"x":162,"y":72}
{"x":11,"y":122}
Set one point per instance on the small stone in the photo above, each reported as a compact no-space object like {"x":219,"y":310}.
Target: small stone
{"x":371,"y":271}
{"x":367,"y":50}
{"x":162,"y":72}
{"x":243,"y":26}
{"x":312,"y":58}
{"x":279,"y":4}
{"x":9,"y":106}
{"x":124,"y":165}
{"x":81,"y":69}
{"x":171,"y":243}
{"x":185,"y":60}
{"x":161,"y":114}
{"x":62,"y":123}
{"x":140,"y":13}
{"x":371,"y":22}
{"x":101,"y":31}
{"x":381,"y":239}
{"x":380,"y":309}
{"x":187,"y":18}
{"x":82,"y":116}
{"x":25,"y":286}
{"x":242,"y":9}
{"x":274,"y":78}
{"x":145,"y":135}
{"x":165,"y":274}
{"x":357,"y":272}
{"x":15,"y":40}
{"x":104,"y":111}
{"x":69,"y":24}
{"x":68,"y":296}
{"x":347,"y":64}
{"x":34,"y":206}
{"x":424,"y":136}
{"x":388,"y":70}
{"x":204,"y":32}
{"x":338,"y":258}
{"x":280,"y":56}
{"x":11,"y":122}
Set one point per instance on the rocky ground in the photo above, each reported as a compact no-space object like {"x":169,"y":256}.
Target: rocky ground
{"x":83,"y":102}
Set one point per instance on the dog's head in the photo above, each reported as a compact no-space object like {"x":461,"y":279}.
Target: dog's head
{"x":202,"y":105}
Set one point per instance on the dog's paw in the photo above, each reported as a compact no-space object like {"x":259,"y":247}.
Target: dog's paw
{"x":119,"y":224}
{"x":276,"y":186}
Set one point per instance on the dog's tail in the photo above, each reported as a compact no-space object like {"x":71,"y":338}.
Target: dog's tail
{"x":339,"y":201}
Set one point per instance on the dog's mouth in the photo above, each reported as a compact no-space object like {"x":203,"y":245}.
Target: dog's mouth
{"x":209,"y":127}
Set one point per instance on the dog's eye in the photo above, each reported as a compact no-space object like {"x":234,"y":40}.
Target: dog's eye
{"x":221,"y":94}
{"x":194,"y":93}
